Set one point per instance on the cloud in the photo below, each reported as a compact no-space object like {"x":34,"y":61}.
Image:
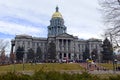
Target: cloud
{"x":13,"y":29}
{"x":79,"y":15}
{"x":20,"y":21}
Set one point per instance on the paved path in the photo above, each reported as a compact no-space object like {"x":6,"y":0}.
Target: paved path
{"x":96,"y":69}
{"x":104,"y":72}
{"x":79,"y":72}
{"x":90,"y":67}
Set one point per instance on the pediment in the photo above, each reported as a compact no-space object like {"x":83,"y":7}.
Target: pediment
{"x":65,"y":35}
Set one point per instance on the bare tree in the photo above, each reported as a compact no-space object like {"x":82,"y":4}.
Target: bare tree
{"x":3,"y":45}
{"x":111,"y":16}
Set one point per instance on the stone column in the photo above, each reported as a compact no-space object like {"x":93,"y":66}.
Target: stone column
{"x":66,"y":45}
{"x":58,"y":45}
{"x":57,"y":56}
{"x":67,"y":55}
{"x":62,"y":44}
{"x":52,"y":31}
{"x":60,"y":30}
{"x":71,"y":46}
{"x":62,"y":55}
{"x":57,"y":31}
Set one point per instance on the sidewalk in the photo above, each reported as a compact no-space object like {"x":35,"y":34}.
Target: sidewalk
{"x":104,"y":72}
{"x":96,"y":69}
{"x":90,"y":67}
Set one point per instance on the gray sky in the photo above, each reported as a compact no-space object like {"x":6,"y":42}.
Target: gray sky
{"x":82,"y":17}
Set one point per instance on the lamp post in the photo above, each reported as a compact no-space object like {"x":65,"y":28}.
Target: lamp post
{"x":14,"y":66}
{"x":115,"y":64}
{"x":13,"y":61}
{"x":23,"y":62}
{"x":24,"y":58}
{"x":93,"y":58}
{"x":12,"y":55}
{"x":87,"y":63}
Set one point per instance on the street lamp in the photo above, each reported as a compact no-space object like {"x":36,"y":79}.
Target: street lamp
{"x":115,"y":64}
{"x":23,"y":62}
{"x":24,"y":59}
{"x":93,"y":58}
{"x":14,"y":65}
{"x":87,"y":60}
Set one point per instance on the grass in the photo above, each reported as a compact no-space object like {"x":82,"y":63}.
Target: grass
{"x":44,"y":67}
{"x":108,"y":65}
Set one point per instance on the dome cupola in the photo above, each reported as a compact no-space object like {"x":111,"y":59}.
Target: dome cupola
{"x":56,"y":26}
{"x":57,"y":14}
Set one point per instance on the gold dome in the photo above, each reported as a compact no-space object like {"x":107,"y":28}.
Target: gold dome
{"x":57,"y":14}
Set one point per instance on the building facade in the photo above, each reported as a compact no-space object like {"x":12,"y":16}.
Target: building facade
{"x":67,"y":46}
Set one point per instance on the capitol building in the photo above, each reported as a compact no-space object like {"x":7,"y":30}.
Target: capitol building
{"x":67,"y":45}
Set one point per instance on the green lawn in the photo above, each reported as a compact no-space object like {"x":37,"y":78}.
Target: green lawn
{"x":44,"y":66}
{"x":108,"y":65}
